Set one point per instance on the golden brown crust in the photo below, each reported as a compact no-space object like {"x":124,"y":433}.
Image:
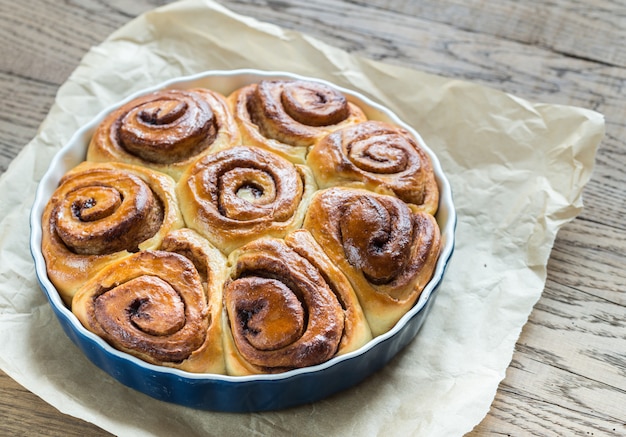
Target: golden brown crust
{"x":387,"y":251}
{"x":356,"y":330}
{"x":379,"y":157}
{"x":287,"y":117}
{"x":210,"y":264}
{"x":165,"y":130}
{"x":152,"y":305}
{"x":239,"y":194}
{"x":280,"y":312}
{"x":314,"y":269}
{"x":100,"y":213}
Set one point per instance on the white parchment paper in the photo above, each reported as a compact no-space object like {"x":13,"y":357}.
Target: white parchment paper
{"x":517,"y":170}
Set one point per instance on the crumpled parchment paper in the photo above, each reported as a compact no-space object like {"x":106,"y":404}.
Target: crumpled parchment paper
{"x":517,"y":170}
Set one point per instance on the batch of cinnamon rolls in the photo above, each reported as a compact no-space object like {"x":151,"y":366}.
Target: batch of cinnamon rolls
{"x":270,"y":229}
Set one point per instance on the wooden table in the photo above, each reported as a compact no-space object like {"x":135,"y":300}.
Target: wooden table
{"x":568,"y":373}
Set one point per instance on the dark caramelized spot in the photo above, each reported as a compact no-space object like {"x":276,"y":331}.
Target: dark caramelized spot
{"x":268,"y":313}
{"x":134,"y":309}
{"x":169,"y":112}
{"x":89,"y":204}
{"x":244,"y":316}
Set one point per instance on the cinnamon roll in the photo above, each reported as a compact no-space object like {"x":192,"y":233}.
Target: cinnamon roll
{"x":101,"y":212}
{"x":387,"y":251}
{"x":356,"y":330}
{"x":210,"y":264}
{"x":152,"y":305}
{"x":281,"y":313}
{"x":379,"y":157}
{"x":239,"y":194}
{"x":289,"y":116}
{"x":165,"y":130}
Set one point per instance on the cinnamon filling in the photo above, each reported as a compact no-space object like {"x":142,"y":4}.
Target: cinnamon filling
{"x":102,"y":219}
{"x":172,"y":127}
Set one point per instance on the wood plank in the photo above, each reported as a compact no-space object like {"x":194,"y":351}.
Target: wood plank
{"x":22,"y":413}
{"x":20,"y":118}
{"x":522,"y":414}
{"x":598,"y":264}
{"x":566,"y":27}
{"x":587,"y":324}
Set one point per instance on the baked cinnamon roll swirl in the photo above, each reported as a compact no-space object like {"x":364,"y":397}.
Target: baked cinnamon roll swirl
{"x":379,"y":157}
{"x":287,"y":117}
{"x":165,"y":130}
{"x":356,"y":331}
{"x":103,"y":212}
{"x":281,"y":313}
{"x":236,"y":195}
{"x":387,"y":251}
{"x":210,"y":264}
{"x":151,"y":305}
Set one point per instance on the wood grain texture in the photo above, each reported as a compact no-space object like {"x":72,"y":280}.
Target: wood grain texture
{"x":568,"y":373}
{"x":24,"y":414}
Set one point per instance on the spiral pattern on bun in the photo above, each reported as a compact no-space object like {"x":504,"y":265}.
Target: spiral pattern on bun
{"x":385,"y":249}
{"x":287,"y":117}
{"x":165,"y":130}
{"x":380,"y":157}
{"x":356,"y":331}
{"x":211,"y":266}
{"x":102,"y":212}
{"x":236,"y":195}
{"x":151,"y":305}
{"x":281,"y":313}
